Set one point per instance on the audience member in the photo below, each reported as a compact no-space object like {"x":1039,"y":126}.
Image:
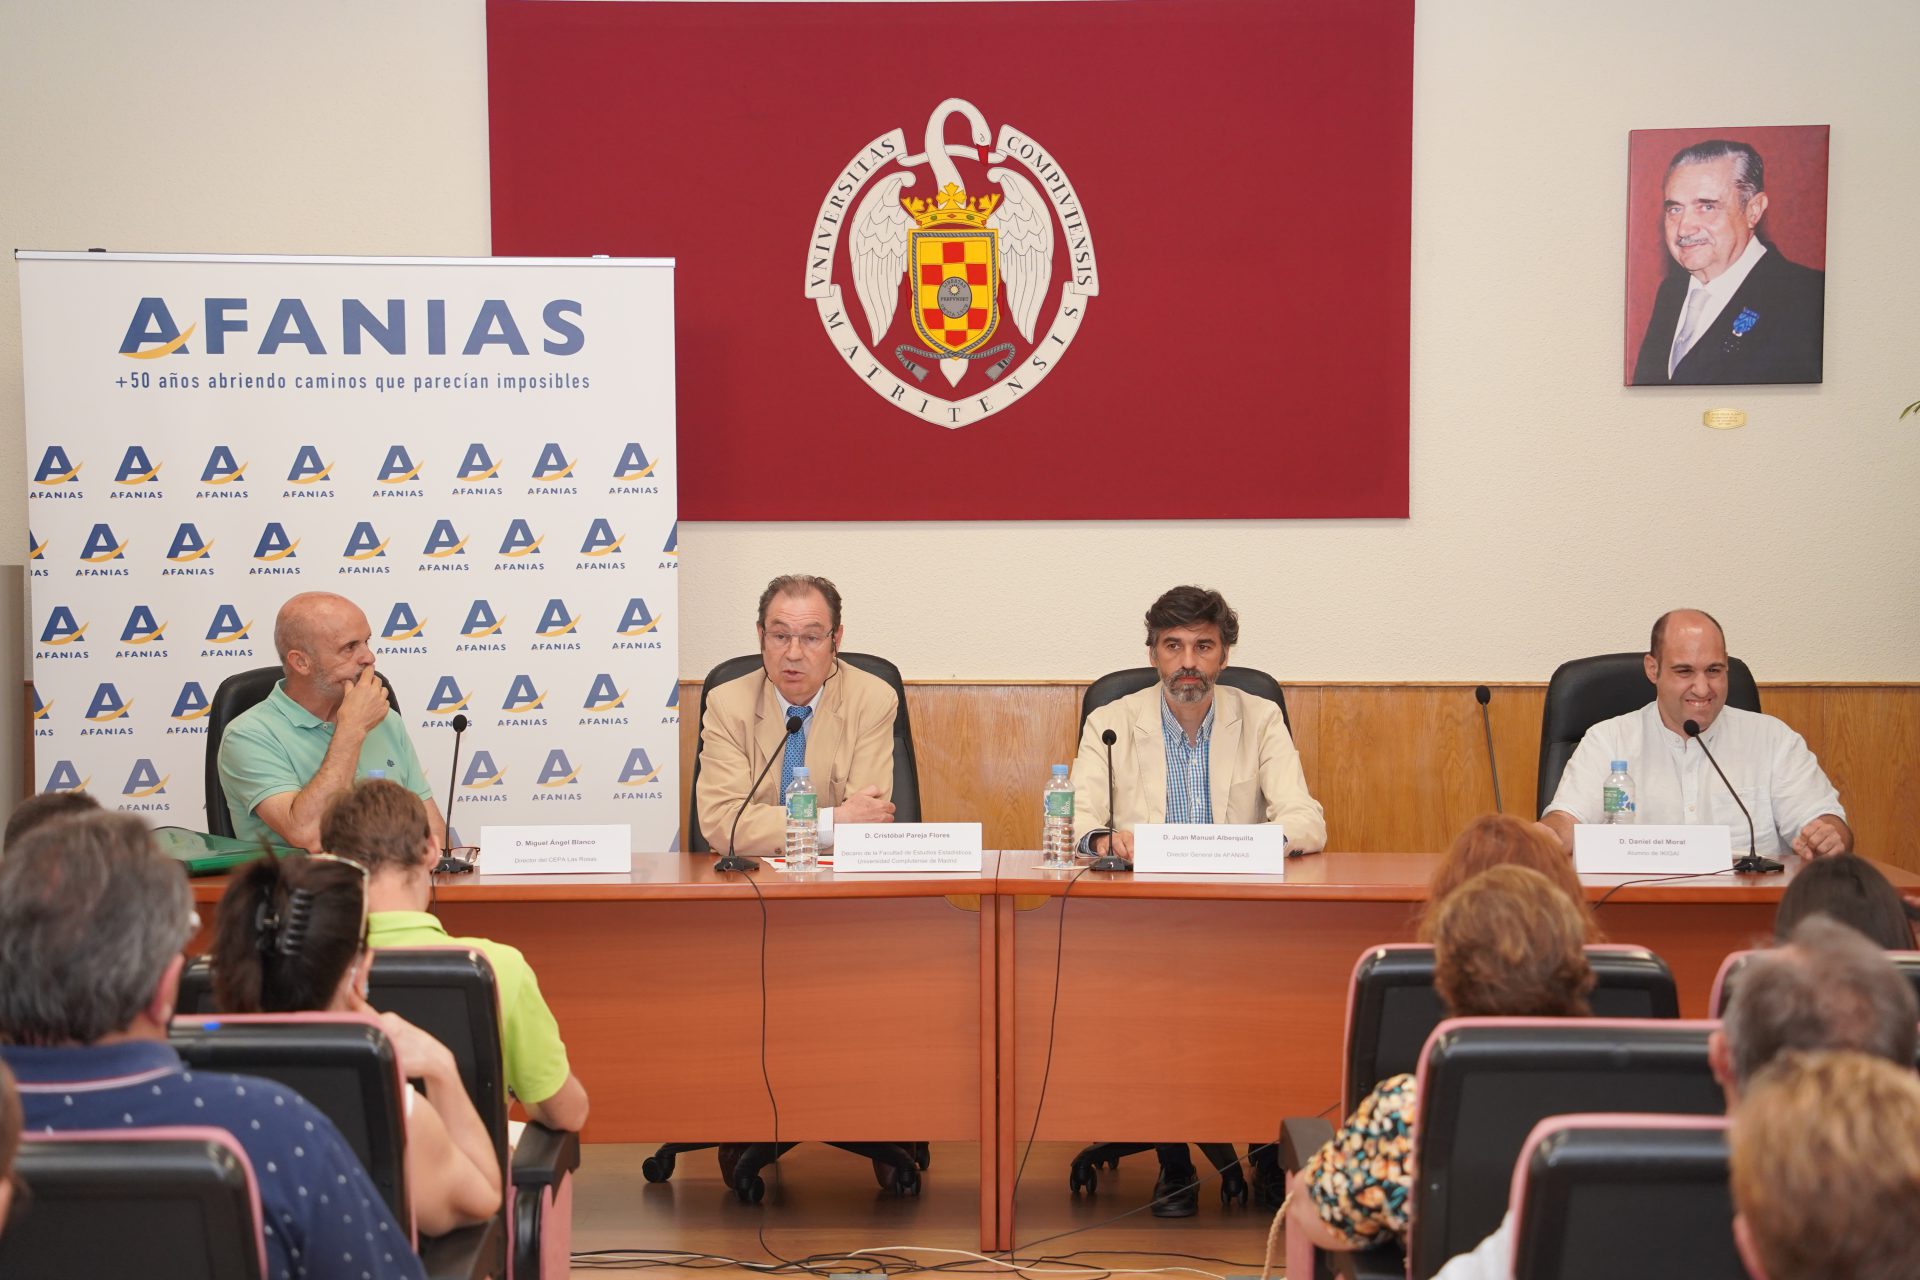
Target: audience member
{"x":1851,"y":890}
{"x":47,"y":806}
{"x":1827,"y":988}
{"x":1826,"y":1170}
{"x":292,"y":938}
{"x":1508,"y":942}
{"x":92,"y":921}
{"x":384,"y":827}
{"x":1498,"y":839}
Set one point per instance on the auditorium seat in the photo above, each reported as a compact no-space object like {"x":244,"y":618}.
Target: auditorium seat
{"x":1586,"y":691}
{"x":240,"y":692}
{"x":184,"y":1197}
{"x":1907,"y":962}
{"x":896,"y":1165}
{"x":1599,"y":1197}
{"x":343,"y":1064}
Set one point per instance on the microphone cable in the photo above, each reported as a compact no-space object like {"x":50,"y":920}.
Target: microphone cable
{"x":1053,"y":1020}
{"x":1690,"y":875}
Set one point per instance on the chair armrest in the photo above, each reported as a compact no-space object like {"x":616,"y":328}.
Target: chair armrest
{"x":544,"y":1157}
{"x":1300,"y":1137}
{"x":470,"y":1253}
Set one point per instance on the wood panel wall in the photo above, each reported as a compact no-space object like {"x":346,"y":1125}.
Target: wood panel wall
{"x":1399,"y":767}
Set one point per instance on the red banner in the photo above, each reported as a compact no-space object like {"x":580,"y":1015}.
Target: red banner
{"x":992,"y":261}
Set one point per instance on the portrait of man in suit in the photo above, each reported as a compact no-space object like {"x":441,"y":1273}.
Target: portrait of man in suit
{"x":1732,"y":308}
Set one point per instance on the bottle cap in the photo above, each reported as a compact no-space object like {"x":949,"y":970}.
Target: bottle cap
{"x":1619,"y":766}
{"x":1059,"y":771}
{"x":376,"y":773}
{"x":800,"y":771}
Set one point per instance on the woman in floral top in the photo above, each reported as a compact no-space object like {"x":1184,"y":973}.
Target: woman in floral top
{"x":1507,"y":943}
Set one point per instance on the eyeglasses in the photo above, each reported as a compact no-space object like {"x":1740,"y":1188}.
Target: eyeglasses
{"x":365,"y":880}
{"x":460,"y":860}
{"x":779,"y":641}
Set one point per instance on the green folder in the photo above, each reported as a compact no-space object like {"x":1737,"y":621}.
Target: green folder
{"x":204,"y":854}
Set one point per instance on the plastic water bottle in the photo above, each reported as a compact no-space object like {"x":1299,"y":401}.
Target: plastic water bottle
{"x":1616,"y":801}
{"x":803,"y":822}
{"x":1056,"y":831}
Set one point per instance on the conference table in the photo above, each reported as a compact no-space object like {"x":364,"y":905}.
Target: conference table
{"x":928,"y":1006}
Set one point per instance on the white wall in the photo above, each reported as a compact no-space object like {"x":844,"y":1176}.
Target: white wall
{"x":1554,"y":512}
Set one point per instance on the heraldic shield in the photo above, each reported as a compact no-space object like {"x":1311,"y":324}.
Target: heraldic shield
{"x":956,"y":277}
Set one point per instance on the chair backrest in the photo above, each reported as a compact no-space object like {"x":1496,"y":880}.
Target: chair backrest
{"x":183,"y":1201}
{"x":1598,"y":1197}
{"x":1907,"y":962}
{"x":451,"y":994}
{"x":238,"y":693}
{"x":1392,"y":1007}
{"x":1118,"y":684}
{"x":342,"y":1063}
{"x":1586,"y":691}
{"x":1484,"y":1083}
{"x":906,"y":772}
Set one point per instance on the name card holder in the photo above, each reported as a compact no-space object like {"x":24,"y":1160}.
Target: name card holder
{"x":1218,"y":849}
{"x":556,"y":851}
{"x":906,"y":846}
{"x":1631,"y":849}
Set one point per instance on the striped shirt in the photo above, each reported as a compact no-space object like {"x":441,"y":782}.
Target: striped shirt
{"x":1189,"y":790}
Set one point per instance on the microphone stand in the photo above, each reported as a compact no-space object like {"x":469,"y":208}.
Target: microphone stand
{"x":1753,"y":864}
{"x":1484,"y":695}
{"x":448,"y":864}
{"x":1110,"y":861}
{"x":730,"y":860}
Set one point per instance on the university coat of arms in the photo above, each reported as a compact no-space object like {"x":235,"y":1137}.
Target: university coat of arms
{"x":977,"y":261}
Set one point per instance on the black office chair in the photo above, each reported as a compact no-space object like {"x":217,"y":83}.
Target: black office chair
{"x":906,"y":773}
{"x":1907,"y":962}
{"x":896,"y":1165}
{"x":1268,"y":1179}
{"x":1605,"y":1196}
{"x":240,"y":692}
{"x":344,"y":1065}
{"x":183,"y":1201}
{"x":1586,"y":691}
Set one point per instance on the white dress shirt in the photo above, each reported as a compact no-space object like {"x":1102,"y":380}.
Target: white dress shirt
{"x":1719,"y":291}
{"x":1766,"y":761}
{"x":1491,"y":1259}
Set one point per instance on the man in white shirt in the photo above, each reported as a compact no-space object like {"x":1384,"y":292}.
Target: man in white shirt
{"x":1792,"y":803}
{"x":1732,"y":309}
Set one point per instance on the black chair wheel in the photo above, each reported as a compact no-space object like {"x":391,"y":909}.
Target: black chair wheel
{"x":1082,"y":1178}
{"x":1230,"y":1195}
{"x":657,"y":1168}
{"x":1112,"y":1162}
{"x":922,"y":1154}
{"x":750,"y":1189}
{"x":1269,"y":1190}
{"x":907,"y":1182}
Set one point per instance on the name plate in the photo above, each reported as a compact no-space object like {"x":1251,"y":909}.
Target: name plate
{"x":905,"y":846}
{"x":548,"y":851}
{"x":1605,"y":849}
{"x":1217,"y":849}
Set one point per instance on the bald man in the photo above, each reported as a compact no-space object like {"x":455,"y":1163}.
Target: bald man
{"x":325,"y":726}
{"x":1793,"y":805}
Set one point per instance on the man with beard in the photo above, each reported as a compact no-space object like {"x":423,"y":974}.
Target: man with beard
{"x":325,"y":726}
{"x":1188,"y":750}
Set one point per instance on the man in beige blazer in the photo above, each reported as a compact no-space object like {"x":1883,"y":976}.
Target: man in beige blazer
{"x":847,"y":726}
{"x":1190,"y":750}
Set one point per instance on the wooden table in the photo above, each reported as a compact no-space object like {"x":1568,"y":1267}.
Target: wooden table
{"x":921,"y":1007}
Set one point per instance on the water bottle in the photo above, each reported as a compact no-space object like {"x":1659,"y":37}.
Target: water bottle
{"x":803,"y":822}
{"x":1616,"y":801}
{"x":1056,"y":831}
{"x":375,"y":773}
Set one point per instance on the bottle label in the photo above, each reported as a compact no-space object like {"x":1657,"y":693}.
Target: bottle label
{"x":803,"y":807}
{"x":1059,"y":804}
{"x":1616,"y":800}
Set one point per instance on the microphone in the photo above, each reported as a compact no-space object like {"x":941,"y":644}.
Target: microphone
{"x":448,"y":864}
{"x":731,"y":861}
{"x":1753,"y":864}
{"x":1110,"y":861}
{"x":1483,"y":696}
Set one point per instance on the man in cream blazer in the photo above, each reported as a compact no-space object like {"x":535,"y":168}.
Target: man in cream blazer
{"x":846,"y":738}
{"x":1188,"y":749}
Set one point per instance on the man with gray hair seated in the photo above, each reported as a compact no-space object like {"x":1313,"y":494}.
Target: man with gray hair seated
{"x":1826,"y":988}
{"x":92,"y":921}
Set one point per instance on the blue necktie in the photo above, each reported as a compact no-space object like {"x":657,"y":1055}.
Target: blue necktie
{"x":796,"y":750}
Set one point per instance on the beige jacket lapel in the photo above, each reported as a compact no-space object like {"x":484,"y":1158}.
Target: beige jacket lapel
{"x":1150,"y":759}
{"x":1223,"y":753}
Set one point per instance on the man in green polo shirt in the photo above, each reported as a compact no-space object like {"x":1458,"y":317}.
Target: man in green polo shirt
{"x":325,"y":725}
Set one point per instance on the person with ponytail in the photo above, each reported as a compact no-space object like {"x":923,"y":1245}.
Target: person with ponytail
{"x":291,"y":937}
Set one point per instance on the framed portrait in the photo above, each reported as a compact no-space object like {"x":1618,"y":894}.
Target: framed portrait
{"x":1726,"y":255}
